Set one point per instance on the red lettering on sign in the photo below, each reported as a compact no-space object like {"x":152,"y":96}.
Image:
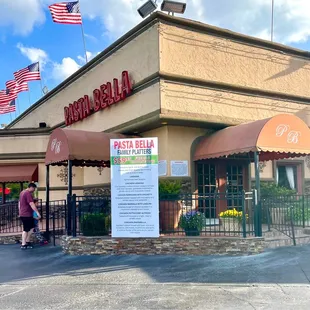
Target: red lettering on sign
{"x":86,"y":107}
{"x":126,"y":85}
{"x":108,"y":94}
{"x":117,"y":96}
{"x":97,"y":99}
{"x":110,"y":99}
{"x":66,"y":112}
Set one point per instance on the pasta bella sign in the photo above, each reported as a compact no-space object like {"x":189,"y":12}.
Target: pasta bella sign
{"x":103,"y":97}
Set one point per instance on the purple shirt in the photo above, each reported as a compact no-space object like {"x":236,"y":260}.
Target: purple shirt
{"x":25,"y":198}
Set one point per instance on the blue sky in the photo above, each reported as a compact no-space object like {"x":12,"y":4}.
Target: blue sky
{"x":27,"y":33}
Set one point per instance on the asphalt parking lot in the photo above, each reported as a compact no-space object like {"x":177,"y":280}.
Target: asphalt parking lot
{"x":45,"y":278}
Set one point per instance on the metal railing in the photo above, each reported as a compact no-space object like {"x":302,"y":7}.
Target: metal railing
{"x":285,"y":213}
{"x":91,"y":215}
{"x":10,"y":222}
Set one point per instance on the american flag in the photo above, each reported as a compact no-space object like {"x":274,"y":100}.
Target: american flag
{"x":6,"y":96}
{"x":66,"y":12}
{"x":30,"y":73}
{"x":11,"y":107}
{"x":13,"y":86}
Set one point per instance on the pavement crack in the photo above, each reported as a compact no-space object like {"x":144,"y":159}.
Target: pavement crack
{"x":239,"y":298}
{"x":281,"y":288}
{"x":304,"y":273}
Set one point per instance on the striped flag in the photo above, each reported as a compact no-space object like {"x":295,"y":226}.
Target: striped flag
{"x":66,"y":12}
{"x":11,"y":107}
{"x":6,"y":96}
{"x":30,"y":73}
{"x":13,"y":86}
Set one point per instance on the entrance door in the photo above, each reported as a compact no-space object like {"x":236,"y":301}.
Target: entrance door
{"x":207,"y":189}
{"x":234,"y":186}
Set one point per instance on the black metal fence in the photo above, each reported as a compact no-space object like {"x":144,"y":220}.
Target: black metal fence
{"x":286,"y":213}
{"x":10,"y":222}
{"x":182,"y":215}
{"x":232,"y":215}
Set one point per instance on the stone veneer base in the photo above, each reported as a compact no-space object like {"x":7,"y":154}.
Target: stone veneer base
{"x":162,"y":246}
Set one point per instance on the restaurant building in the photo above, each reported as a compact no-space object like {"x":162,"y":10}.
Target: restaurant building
{"x":180,"y":81}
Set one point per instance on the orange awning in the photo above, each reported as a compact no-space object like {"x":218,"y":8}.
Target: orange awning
{"x":282,"y":136}
{"x":79,"y":146}
{"x":18,"y":173}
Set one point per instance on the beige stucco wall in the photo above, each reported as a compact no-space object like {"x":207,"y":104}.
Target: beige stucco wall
{"x":23,"y":144}
{"x":140,"y":57}
{"x":194,"y":54}
{"x":175,"y":143}
{"x":215,"y":106}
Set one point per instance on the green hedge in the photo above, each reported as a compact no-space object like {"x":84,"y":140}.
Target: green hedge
{"x":96,"y":224}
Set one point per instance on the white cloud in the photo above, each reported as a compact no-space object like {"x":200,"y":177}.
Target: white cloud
{"x":64,"y":69}
{"x":21,"y":15}
{"x":90,"y":56}
{"x":34,"y":54}
{"x":291,"y":17}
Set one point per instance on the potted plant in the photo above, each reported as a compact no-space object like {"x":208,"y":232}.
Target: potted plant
{"x":192,"y":223}
{"x":231,"y":219}
{"x":169,"y":204}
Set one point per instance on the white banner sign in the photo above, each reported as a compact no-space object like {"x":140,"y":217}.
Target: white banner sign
{"x":134,"y":188}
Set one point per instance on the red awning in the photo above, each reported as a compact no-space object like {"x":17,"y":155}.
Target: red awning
{"x":18,"y":173}
{"x":79,"y":146}
{"x":282,"y":136}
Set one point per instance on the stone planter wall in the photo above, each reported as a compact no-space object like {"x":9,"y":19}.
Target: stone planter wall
{"x":162,"y":246}
{"x":7,"y":239}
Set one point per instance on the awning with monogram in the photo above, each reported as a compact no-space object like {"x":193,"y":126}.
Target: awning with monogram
{"x":83,"y":148}
{"x":282,"y":136}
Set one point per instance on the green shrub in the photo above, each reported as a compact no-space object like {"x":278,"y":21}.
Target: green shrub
{"x":170,"y":189}
{"x":268,"y":189}
{"x":95,"y":224}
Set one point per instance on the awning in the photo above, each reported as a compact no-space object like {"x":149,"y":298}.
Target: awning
{"x":282,"y":136}
{"x":18,"y":173}
{"x":84,"y":148}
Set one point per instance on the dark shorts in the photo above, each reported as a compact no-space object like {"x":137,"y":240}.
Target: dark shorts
{"x":28,"y":223}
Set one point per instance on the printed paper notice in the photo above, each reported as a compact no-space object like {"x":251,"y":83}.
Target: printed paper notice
{"x":179,"y":168}
{"x":134,"y":188}
{"x":162,"y":168}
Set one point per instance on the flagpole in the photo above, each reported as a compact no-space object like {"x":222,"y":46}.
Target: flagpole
{"x":11,"y":116}
{"x":83,"y":36}
{"x":17,"y":101}
{"x":29,"y":97}
{"x":272,"y":18}
{"x":41,"y":86}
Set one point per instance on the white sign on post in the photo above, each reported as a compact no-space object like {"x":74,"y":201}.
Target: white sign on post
{"x":134,"y":188}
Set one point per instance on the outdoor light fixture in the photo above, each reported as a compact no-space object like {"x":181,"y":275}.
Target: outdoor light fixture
{"x":147,"y":8}
{"x":173,"y":7}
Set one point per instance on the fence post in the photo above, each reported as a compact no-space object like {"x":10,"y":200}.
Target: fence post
{"x":243,"y":215}
{"x":255,"y":213}
{"x":73,"y":202}
{"x":54,"y":230}
{"x":303,"y":212}
{"x":292,"y":225}
{"x":69,"y":217}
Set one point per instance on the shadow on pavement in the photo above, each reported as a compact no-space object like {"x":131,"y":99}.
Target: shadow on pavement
{"x":283,"y":265}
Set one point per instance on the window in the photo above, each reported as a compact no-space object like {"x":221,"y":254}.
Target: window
{"x":234,"y":186}
{"x":287,"y":176}
{"x":207,"y":188}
